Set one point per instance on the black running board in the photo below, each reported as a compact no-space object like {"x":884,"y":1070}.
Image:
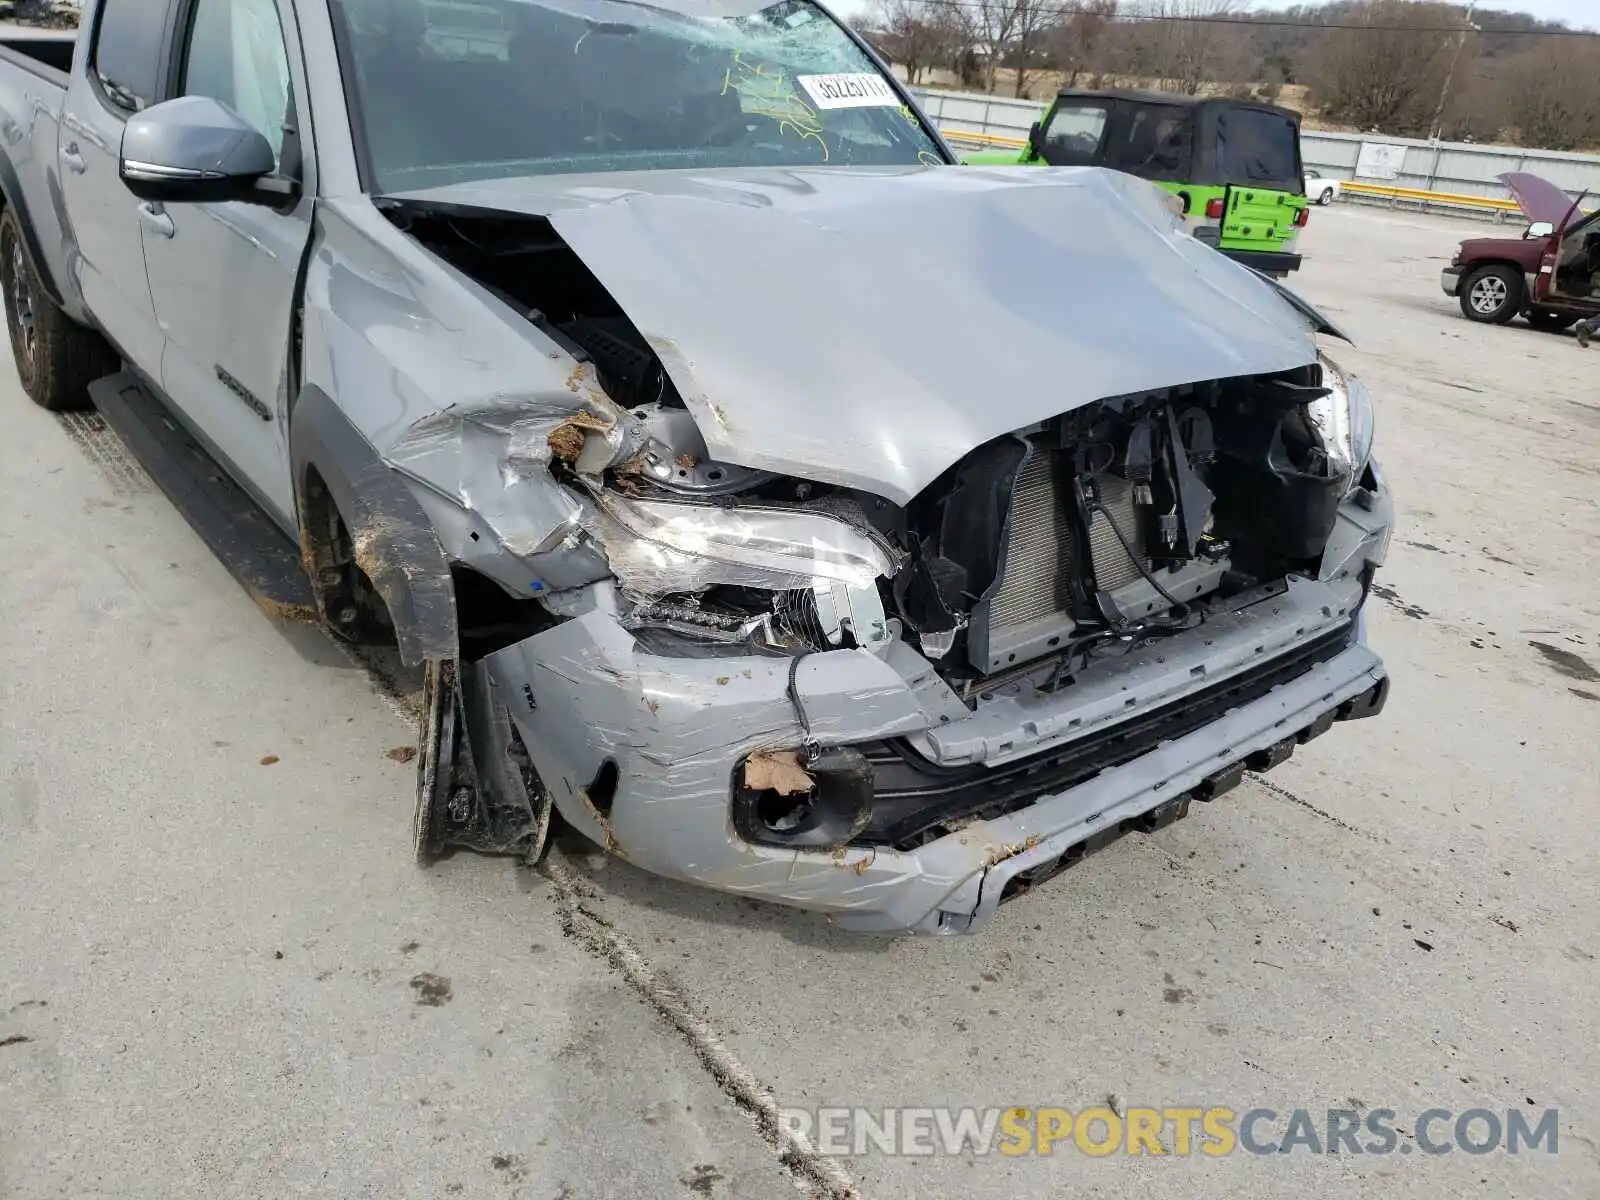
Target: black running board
{"x":250,"y":545}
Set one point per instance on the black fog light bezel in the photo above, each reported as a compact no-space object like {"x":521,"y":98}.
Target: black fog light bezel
{"x":837,"y":809}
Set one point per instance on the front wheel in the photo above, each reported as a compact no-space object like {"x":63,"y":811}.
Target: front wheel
{"x":57,"y":359}
{"x":1325,"y":197}
{"x":1491,"y":295}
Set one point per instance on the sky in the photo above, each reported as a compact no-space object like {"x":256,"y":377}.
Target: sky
{"x":1580,"y":14}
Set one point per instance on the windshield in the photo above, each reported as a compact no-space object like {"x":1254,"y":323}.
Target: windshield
{"x":451,"y":91}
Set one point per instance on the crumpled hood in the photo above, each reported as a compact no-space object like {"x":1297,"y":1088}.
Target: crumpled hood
{"x":870,"y":327}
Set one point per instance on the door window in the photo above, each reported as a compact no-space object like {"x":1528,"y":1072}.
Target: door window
{"x":1154,"y":141}
{"x":1074,"y":132}
{"x":236,"y":54}
{"x":127,"y":51}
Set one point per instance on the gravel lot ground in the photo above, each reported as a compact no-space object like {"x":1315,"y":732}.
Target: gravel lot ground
{"x":222,"y":976}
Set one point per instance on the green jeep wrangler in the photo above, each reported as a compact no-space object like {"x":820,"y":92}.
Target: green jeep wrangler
{"x":1234,"y":164}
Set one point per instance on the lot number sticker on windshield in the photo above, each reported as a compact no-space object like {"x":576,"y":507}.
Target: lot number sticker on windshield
{"x":849,"y":91}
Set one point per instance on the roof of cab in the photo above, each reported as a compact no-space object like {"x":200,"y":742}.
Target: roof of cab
{"x":1173,"y":99}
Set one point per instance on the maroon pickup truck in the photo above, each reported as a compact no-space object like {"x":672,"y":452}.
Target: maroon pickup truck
{"x":1550,"y":275}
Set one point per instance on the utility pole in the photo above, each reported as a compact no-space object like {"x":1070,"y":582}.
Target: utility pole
{"x":1444,"y":92}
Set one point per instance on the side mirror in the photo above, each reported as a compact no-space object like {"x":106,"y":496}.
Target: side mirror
{"x":1035,"y":142}
{"x":1539,"y":229}
{"x":195,"y":149}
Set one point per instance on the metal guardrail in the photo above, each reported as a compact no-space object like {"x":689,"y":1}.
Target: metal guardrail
{"x":1424,"y":198}
{"x":984,"y":139}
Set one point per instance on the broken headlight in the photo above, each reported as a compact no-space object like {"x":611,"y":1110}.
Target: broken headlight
{"x":819,"y":572}
{"x":1344,"y":417}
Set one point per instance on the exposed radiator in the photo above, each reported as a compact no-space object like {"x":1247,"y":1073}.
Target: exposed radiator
{"x":1029,"y":611}
{"x":1112,"y":566}
{"x":1038,"y":553}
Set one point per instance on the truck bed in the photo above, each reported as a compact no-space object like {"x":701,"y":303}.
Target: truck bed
{"x":46,"y":53}
{"x":35,"y":76}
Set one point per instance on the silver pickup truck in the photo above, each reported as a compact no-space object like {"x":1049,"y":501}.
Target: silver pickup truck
{"x":761,"y":494}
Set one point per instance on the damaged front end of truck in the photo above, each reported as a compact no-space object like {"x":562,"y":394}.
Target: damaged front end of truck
{"x":817,"y":598}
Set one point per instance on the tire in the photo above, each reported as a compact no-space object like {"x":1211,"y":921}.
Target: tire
{"x":1550,"y":322}
{"x":1325,"y":197}
{"x":1491,"y":295}
{"x":57,"y":359}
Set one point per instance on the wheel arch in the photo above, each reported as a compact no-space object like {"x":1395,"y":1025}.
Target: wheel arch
{"x":337,"y":472}
{"x":1478,"y":264}
{"x":12,"y":200}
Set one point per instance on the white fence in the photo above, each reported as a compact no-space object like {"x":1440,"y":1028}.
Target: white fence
{"x":1456,"y":168}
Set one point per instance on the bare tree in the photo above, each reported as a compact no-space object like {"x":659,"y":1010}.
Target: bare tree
{"x":1035,"y":21}
{"x":55,"y":14}
{"x":994,"y":30}
{"x":1081,"y":44}
{"x":917,"y":34}
{"x":1549,"y":96}
{"x":1391,"y":75}
{"x":952,"y":28}
{"x":1186,"y":45}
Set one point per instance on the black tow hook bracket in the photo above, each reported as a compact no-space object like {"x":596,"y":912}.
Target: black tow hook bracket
{"x":1318,"y":727}
{"x":1369,"y":704}
{"x":1168,"y":812}
{"x":1265,"y":760}
{"x":1224,"y":780}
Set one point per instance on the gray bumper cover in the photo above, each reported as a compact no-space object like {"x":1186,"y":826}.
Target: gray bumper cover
{"x":675,"y":730}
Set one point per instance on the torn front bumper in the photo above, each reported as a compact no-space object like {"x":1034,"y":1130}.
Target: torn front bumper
{"x":641,"y":751}
{"x":1450,"y":281}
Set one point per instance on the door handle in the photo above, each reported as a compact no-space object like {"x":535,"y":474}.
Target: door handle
{"x":73,"y":158}
{"x":154,"y":218}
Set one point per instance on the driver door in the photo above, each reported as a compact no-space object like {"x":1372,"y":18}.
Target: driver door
{"x":224,"y":276}
{"x":1572,"y":267}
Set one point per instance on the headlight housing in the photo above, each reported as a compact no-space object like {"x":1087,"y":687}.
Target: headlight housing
{"x":671,"y":546}
{"x":1345,"y":418}
{"x":822,"y":571}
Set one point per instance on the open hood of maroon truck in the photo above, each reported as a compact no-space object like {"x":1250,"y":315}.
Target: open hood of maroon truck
{"x":1539,"y":199}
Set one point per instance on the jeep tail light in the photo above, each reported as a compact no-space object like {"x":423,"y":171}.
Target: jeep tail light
{"x":1303,"y":218}
{"x":1214,"y":208}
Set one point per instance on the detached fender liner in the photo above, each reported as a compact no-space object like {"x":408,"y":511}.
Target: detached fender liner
{"x":393,"y":540}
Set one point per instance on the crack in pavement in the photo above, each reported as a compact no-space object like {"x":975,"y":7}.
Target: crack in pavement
{"x":818,"y":1176}
{"x":1283,"y":792}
